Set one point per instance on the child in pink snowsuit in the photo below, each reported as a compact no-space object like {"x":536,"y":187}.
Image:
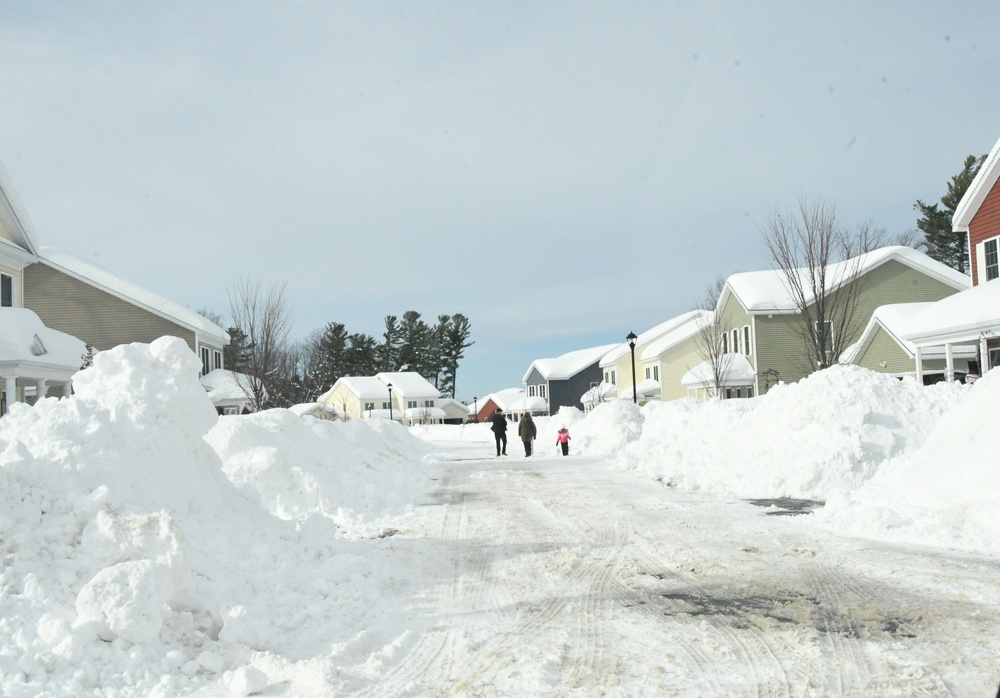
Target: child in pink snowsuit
{"x":562,"y":438}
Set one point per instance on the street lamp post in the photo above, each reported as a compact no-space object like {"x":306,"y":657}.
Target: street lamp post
{"x":475,"y":408}
{"x":631,"y":345}
{"x":389,"y":386}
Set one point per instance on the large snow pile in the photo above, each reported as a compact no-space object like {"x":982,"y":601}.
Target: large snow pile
{"x":134,"y":566}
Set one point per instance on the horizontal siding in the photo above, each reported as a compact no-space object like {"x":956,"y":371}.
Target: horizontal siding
{"x":674,"y":364}
{"x":884,"y":348}
{"x":95,"y":316}
{"x":984,"y":225}
{"x":780,"y":348}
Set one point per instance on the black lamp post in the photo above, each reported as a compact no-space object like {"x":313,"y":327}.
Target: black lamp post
{"x":631,"y":345}
{"x":389,"y":386}
{"x":475,"y":409}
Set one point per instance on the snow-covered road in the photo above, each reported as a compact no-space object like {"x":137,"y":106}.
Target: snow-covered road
{"x":570,"y":578}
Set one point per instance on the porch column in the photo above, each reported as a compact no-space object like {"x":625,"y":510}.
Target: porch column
{"x":40,"y":388}
{"x":919,"y":373}
{"x":67,"y":389}
{"x":949,"y":363}
{"x":10,"y":390}
{"x":984,"y":356}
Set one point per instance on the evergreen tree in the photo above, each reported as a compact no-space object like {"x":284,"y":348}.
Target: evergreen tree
{"x":360,"y":356}
{"x":388,"y":351}
{"x":331,"y":350}
{"x":236,"y":355}
{"x":943,"y":244}
{"x":415,"y":342}
{"x":454,"y":342}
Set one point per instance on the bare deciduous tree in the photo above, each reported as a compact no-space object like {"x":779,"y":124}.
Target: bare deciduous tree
{"x":261,"y":315}
{"x":820,"y":268}
{"x":711,"y":345}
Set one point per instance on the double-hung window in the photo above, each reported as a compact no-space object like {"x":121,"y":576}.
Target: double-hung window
{"x":6,"y":291}
{"x":205,"y":368}
{"x":992,"y":261}
{"x":746,"y":340}
{"x":826,"y":337}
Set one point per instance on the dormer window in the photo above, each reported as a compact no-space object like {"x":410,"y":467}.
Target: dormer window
{"x":37,"y":348}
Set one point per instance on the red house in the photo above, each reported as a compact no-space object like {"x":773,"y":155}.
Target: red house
{"x":978,"y":216}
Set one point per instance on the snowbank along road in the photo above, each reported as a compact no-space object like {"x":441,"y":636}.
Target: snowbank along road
{"x":569,"y":578}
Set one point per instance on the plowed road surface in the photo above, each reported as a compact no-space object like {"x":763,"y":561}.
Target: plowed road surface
{"x":567,"y":578}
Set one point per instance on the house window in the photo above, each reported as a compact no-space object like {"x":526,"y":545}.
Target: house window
{"x":656,"y":373}
{"x":385,"y":405}
{"x":746,"y":340}
{"x":369,"y":405}
{"x":613,"y":378}
{"x":725,"y":343}
{"x":411,"y":404}
{"x":218,"y":359}
{"x":541,"y":391}
{"x":992,"y":261}
{"x":204,"y":361}
{"x":428,"y":403}
{"x":736,"y":341}
{"x":6,"y":291}
{"x":531,"y":391}
{"x":828,"y":340}
{"x":648,"y":372}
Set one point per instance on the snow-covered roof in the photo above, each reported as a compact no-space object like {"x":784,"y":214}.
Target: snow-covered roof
{"x":528,"y":404}
{"x":363,"y":387}
{"x":980,"y":187}
{"x":225,"y":385}
{"x":25,"y":338}
{"x":766,"y":291}
{"x":503,"y":398}
{"x":896,"y":320}
{"x":645,"y":389}
{"x":964,"y":316}
{"x":684,"y":328}
{"x":14,"y":215}
{"x":651,"y":335}
{"x":424,"y":413}
{"x":409,"y":384}
{"x":317,"y":410}
{"x":132,"y":293}
{"x":737,"y":371}
{"x":568,"y":365}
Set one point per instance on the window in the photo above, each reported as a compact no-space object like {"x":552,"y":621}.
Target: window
{"x":6,"y":291}
{"x":613,"y":378}
{"x":218,"y":359}
{"x":531,"y":391}
{"x":369,"y":405}
{"x":410,"y":404}
{"x":725,"y":343}
{"x":992,"y":260}
{"x":541,"y":391}
{"x":828,"y":338}
{"x":428,"y":403}
{"x":736,"y":341}
{"x":656,"y":373}
{"x":648,"y":372}
{"x":204,"y":361}
{"x":385,"y":405}
{"x":746,"y":340}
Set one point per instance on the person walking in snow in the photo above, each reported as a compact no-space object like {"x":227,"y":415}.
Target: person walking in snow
{"x":562,"y":439}
{"x":526,"y":430}
{"x":499,"y":429}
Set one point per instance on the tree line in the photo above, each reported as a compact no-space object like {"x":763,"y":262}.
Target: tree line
{"x":281,"y":373}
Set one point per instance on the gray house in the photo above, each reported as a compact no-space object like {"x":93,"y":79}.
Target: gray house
{"x":561,"y":381}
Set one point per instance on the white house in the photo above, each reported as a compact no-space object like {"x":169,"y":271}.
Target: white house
{"x":403,"y":396}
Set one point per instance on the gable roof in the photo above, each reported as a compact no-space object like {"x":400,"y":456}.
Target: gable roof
{"x":362,"y":387}
{"x":26,"y":339}
{"x":568,"y":365}
{"x":687,"y":326}
{"x":737,"y":371}
{"x":977,"y":192}
{"x":104,"y":280}
{"x":409,"y":384}
{"x":14,"y":216}
{"x":766,"y":291}
{"x":963,"y":316}
{"x":896,"y":320}
{"x":504,"y":398}
{"x":651,"y":335}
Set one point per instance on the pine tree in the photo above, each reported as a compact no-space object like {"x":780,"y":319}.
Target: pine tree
{"x":387,"y":352}
{"x":360,"y":357}
{"x":332,"y":354}
{"x":943,"y":244}
{"x":415,"y":342}
{"x":455,"y":341}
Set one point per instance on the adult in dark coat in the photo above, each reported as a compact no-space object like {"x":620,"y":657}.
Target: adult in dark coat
{"x":527,"y":431}
{"x":500,"y":431}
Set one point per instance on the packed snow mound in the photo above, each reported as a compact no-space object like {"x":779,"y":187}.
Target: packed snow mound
{"x":944,"y":493}
{"x":300,"y":466}
{"x":822,"y":436}
{"x":605,"y":430}
{"x":133,"y":566}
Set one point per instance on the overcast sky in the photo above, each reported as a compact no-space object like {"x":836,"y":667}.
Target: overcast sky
{"x":561,"y":172}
